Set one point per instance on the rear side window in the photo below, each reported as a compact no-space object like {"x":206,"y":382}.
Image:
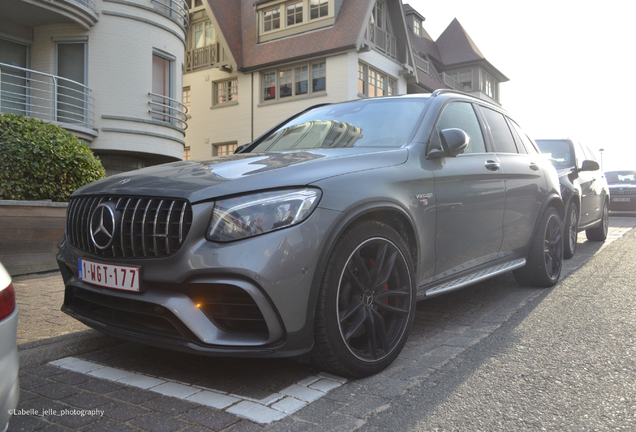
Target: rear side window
{"x":527,"y":143}
{"x":461,"y":115}
{"x":504,"y":142}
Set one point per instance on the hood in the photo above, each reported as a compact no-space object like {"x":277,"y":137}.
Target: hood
{"x":238,"y":173}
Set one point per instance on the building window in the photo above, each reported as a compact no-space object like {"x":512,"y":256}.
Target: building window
{"x":186,"y":153}
{"x":464,"y":77}
{"x":186,"y":99}
{"x":223,"y":149}
{"x":226,"y":91}
{"x":294,"y":81}
{"x":271,"y":20}
{"x":380,"y":31}
{"x":318,"y":9}
{"x":373,"y":83}
{"x":294,"y":13}
{"x":417,"y":27}
{"x":71,"y":93}
{"x":488,"y":85}
{"x":203,"y":34}
{"x":162,"y":87}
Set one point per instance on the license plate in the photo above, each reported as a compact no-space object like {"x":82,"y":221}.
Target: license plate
{"x":620,"y":199}
{"x":109,"y":275}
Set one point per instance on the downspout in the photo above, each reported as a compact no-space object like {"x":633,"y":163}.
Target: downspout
{"x":252,"y":121}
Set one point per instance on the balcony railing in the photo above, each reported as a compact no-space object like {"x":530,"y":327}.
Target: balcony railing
{"x":200,"y":58}
{"x":178,"y":10}
{"x":44,"y":96}
{"x":169,"y":111}
{"x":383,"y":40}
{"x":421,"y":64}
{"x":451,"y":82}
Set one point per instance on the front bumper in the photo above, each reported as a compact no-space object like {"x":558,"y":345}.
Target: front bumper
{"x":251,"y":297}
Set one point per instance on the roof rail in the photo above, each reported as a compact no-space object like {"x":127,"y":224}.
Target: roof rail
{"x":440,"y":91}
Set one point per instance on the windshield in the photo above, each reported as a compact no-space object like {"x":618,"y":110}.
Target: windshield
{"x":366,"y":123}
{"x":622,"y":177}
{"x":557,"y":152}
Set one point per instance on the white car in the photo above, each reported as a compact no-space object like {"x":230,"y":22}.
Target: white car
{"x":9,"y":385}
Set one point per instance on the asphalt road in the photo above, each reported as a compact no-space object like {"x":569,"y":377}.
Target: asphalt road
{"x":494,"y":356}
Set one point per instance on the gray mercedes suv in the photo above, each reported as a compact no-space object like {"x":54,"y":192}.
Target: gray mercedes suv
{"x":318,"y":237}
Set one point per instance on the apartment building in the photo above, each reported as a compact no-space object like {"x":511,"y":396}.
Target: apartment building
{"x":109,"y":71}
{"x":251,"y":64}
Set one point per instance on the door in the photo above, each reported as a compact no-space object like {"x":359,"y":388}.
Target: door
{"x":71,"y":93}
{"x":591,"y":188}
{"x":469,"y":191}
{"x":13,"y":81}
{"x":161,"y":88}
{"x":524,"y":177}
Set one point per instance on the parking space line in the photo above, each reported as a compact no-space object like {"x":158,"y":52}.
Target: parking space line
{"x":272,"y":408}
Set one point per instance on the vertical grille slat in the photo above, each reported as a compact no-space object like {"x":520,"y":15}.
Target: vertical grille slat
{"x":140,"y":231}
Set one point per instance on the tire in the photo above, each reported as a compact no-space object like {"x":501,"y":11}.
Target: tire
{"x":545,"y":258}
{"x":599,"y":233}
{"x":366,"y":302}
{"x":570,"y":231}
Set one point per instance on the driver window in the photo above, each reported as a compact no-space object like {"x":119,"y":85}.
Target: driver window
{"x":461,"y":115}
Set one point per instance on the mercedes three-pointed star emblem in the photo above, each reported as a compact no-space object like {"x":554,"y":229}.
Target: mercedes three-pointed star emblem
{"x":103,"y":225}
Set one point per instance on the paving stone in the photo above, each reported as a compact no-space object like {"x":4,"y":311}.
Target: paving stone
{"x":81,"y":366}
{"x":212,"y":399}
{"x":256,"y":412}
{"x":291,"y":424}
{"x":56,"y":391}
{"x":100,"y":386}
{"x":245,"y":426}
{"x":210,"y":418}
{"x":319,"y":410}
{"x":110,"y":373}
{"x":175,"y":390}
{"x":303,"y":393}
{"x":158,"y":423}
{"x":74,"y":421}
{"x":289,"y":405}
{"x":170,"y":406}
{"x":51,"y":427}
{"x":108,"y":425}
{"x":363,"y":406}
{"x":389,"y":388}
{"x":122,"y":411}
{"x":134,"y":395}
{"x":86,"y":400}
{"x":335,"y":423}
{"x":141,"y":381}
{"x":69,"y":378}
{"x":26,"y":423}
{"x":29,"y":382}
{"x":27,"y":395}
{"x":325,"y":385}
{"x":346,"y":393}
{"x":40,"y":404}
{"x":45,"y":371}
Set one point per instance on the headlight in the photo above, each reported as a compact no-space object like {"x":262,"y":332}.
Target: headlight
{"x":254,"y":214}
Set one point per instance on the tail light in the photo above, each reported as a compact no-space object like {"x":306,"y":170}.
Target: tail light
{"x":7,"y":301}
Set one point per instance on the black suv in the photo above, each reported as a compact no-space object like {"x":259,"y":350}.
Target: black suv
{"x":583,"y":188}
{"x":318,"y":237}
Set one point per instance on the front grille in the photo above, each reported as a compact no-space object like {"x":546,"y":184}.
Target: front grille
{"x":623,"y":192}
{"x":144,"y":227}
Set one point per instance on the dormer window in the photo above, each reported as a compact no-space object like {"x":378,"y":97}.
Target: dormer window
{"x":417,"y":27}
{"x":280,"y":18}
{"x":271,"y":20}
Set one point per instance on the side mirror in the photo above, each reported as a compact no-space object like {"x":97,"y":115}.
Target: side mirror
{"x":451,"y":142}
{"x":590,"y":165}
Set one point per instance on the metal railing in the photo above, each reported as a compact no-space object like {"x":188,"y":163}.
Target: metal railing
{"x":44,"y":96}
{"x":421,"y":64}
{"x":88,"y":3}
{"x":168,"y":110}
{"x":383,"y":40}
{"x":203,"y":57}
{"x":175,"y":9}
{"x":451,"y":82}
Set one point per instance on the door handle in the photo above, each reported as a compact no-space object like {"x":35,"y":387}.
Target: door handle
{"x":534,"y":166}
{"x":492,"y":165}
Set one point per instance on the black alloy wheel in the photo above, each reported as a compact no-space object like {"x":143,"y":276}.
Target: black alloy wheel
{"x":545,"y":257}
{"x":366,"y":309}
{"x":571,"y":231}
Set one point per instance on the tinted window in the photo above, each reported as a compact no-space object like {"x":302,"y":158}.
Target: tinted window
{"x":461,"y":115}
{"x":625,"y":177}
{"x":367,"y":123}
{"x":504,"y":143}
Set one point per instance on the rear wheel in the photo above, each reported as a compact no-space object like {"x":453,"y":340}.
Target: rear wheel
{"x":600,"y":232}
{"x":366,"y":302}
{"x":545,"y":258}
{"x":570,"y":231}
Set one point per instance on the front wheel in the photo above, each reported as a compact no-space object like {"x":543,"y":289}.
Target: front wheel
{"x":366,"y":302}
{"x":571,"y":231}
{"x":545,"y":258}
{"x":600,"y":232}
